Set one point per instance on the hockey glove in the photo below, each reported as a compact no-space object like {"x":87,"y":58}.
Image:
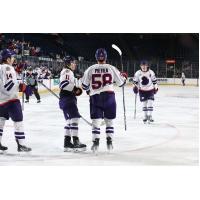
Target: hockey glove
{"x":77,"y":91}
{"x":124,"y":74}
{"x":22,"y":87}
{"x":135,"y":89}
{"x":40,"y":80}
{"x":88,"y":92}
{"x":155,"y":90}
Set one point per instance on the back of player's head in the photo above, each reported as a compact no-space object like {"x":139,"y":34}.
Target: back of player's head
{"x":68,"y":60}
{"x":7,"y":53}
{"x":101,"y":55}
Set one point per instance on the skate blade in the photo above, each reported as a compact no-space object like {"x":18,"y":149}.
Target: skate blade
{"x":95,"y":151}
{"x":24,"y":153}
{"x":76,"y":150}
{"x":3,"y":152}
{"x":68,"y":150}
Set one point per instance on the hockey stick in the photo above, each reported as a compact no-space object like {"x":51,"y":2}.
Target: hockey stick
{"x":23,"y":74}
{"x":59,"y":98}
{"x":124,"y":107}
{"x":135,"y":106}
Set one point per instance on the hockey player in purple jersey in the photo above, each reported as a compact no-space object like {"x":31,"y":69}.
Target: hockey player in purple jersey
{"x":98,"y":81}
{"x":145,"y":83}
{"x":69,"y":89}
{"x":10,"y":106}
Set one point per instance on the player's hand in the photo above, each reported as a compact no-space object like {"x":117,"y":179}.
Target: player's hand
{"x":124,"y":74}
{"x":22,"y":87}
{"x":77,"y":91}
{"x":155,"y":90}
{"x":135,"y":89}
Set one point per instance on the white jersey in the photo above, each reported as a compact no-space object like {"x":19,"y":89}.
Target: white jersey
{"x":145,"y":81}
{"x":67,"y":80}
{"x":183,"y":76}
{"x":100,"y":78}
{"x":9,"y":86}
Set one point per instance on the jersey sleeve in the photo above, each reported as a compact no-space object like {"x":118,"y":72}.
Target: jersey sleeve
{"x":153,"y":78}
{"x":9,"y":81}
{"x":86,"y":80}
{"x":118,"y":78}
{"x":67,"y":80}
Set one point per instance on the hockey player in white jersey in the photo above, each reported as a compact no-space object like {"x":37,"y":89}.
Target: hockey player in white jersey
{"x":10,"y":106}
{"x":146,"y":83}
{"x":98,"y":81}
{"x":69,"y":89}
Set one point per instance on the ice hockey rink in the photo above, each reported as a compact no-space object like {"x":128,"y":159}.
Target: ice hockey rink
{"x":171,"y":140}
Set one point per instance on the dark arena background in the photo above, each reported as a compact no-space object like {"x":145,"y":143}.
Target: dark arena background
{"x":169,"y":54}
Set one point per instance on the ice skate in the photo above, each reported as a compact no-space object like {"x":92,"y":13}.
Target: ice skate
{"x":38,"y":101}
{"x":22,"y":148}
{"x":27,"y":101}
{"x":145,"y":119}
{"x":3,"y":148}
{"x":150,"y":119}
{"x":68,"y":146}
{"x":78,"y":147}
{"x":95,"y":146}
{"x":109,"y":144}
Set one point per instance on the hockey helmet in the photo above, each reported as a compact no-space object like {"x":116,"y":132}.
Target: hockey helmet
{"x":68,"y":60}
{"x":7,"y":53}
{"x":101,"y":55}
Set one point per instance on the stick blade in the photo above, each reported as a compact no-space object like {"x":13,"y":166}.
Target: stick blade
{"x":117,"y":49}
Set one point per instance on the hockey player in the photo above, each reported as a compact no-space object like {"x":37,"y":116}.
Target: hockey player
{"x":183,"y":78}
{"x":10,"y":106}
{"x":98,"y":82}
{"x":69,"y":89}
{"x":146,"y":83}
{"x":32,"y":85}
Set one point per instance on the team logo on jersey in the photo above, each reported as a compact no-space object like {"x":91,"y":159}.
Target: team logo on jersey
{"x":145,"y":80}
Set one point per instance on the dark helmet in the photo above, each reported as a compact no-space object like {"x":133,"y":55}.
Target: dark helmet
{"x":7,"y":53}
{"x":101,"y":55}
{"x":68,"y":60}
{"x":145,"y":62}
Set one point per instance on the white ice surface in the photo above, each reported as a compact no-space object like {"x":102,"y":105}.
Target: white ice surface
{"x":171,"y":140}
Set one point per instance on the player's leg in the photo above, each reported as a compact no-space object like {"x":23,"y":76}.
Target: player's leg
{"x":15,"y":112}
{"x":37,"y":95}
{"x":28,"y":93}
{"x":109,"y":133}
{"x":96,"y":123}
{"x":150,"y":105}
{"x":2,"y":124}
{"x":143,"y":99}
{"x":144,"y":108}
{"x":78,"y":146}
{"x":110,"y":115}
{"x":68,"y":145}
{"x":75,"y":116}
{"x":3,"y":117}
{"x":150,"y":110}
{"x":96,"y":114}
